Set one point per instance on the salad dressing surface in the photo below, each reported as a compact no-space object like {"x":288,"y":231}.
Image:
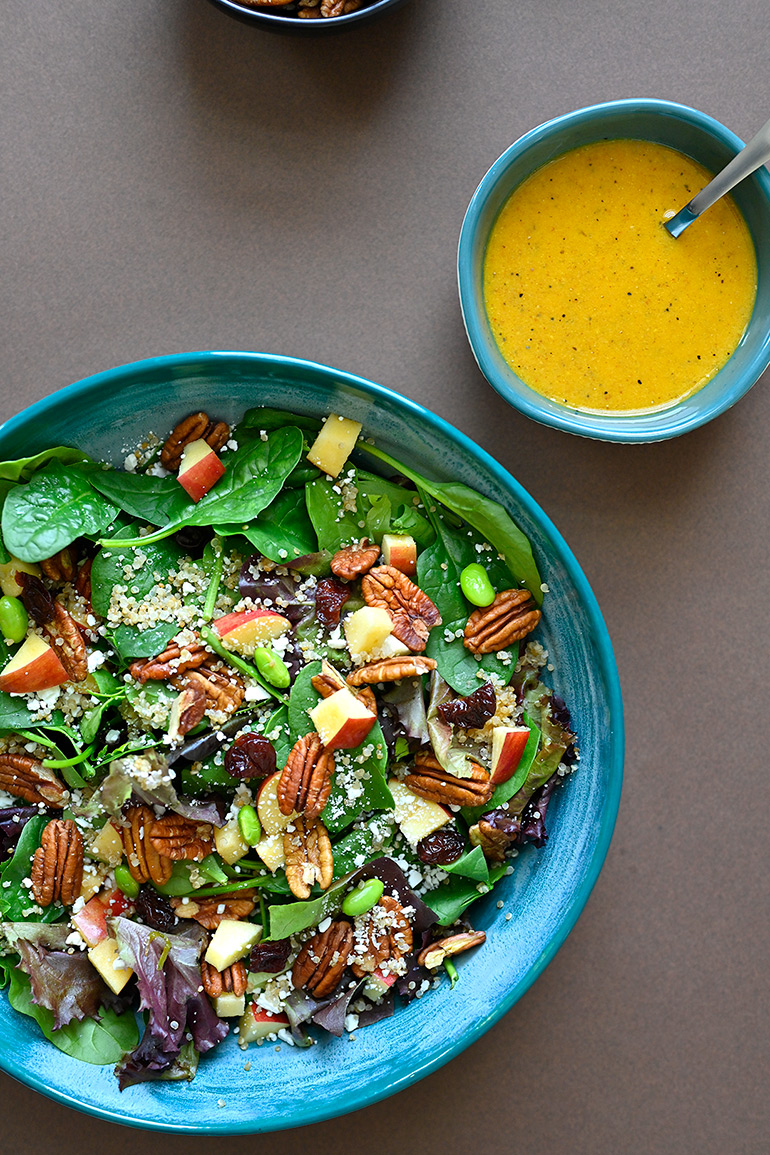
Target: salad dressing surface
{"x":593,"y":304}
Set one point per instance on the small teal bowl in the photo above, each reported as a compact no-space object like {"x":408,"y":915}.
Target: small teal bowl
{"x":691,"y":132}
{"x":109,"y":414}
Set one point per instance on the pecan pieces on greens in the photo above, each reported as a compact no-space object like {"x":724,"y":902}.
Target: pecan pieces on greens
{"x":259,"y":753}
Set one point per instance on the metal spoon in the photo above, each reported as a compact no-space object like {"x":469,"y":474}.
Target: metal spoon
{"x":751,"y":157}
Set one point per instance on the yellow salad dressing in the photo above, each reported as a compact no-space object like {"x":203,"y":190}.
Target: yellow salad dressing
{"x":592,"y":303}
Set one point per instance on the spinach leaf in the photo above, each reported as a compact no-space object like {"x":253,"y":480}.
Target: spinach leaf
{"x":334,"y":525}
{"x":450,"y":899}
{"x":472,"y":865}
{"x":23,"y":467}
{"x":281,"y":532}
{"x":263,"y":417}
{"x":277,"y":730}
{"x":292,"y":917}
{"x":56,"y":506}
{"x":254,"y":476}
{"x":370,"y":791}
{"x":301,"y":699}
{"x":14,"y":714}
{"x":354,"y":849}
{"x":99,"y":1043}
{"x":15,"y":899}
{"x":488,"y":517}
{"x":459,"y":667}
{"x":404,"y":515}
{"x":107,"y":572}
{"x":157,"y":500}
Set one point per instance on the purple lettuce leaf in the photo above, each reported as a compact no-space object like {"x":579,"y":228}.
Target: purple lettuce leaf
{"x":328,"y":1013}
{"x":409,"y":983}
{"x":396,"y":884}
{"x":378,"y":1011}
{"x":65,"y":984}
{"x":409,"y":704}
{"x":281,"y":593}
{"x":13,"y":819}
{"x":148,"y":1062}
{"x":533,"y":819}
{"x":121,"y":783}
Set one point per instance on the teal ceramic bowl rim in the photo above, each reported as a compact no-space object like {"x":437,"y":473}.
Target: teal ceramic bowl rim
{"x":525,"y":399}
{"x":388,"y":1083}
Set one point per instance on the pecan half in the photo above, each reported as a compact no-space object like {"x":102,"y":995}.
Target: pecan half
{"x":383,"y":934}
{"x":510,"y":618}
{"x":320,"y":964}
{"x":391,"y":670}
{"x":63,"y":566}
{"x":308,"y":852}
{"x":176,"y":659}
{"x":354,"y":560}
{"x":192,"y":428}
{"x":26,"y":777}
{"x":144,"y":861}
{"x":182,"y":838}
{"x":209,"y":912}
{"x":57,"y":864}
{"x":431,"y":781}
{"x":186,"y":712}
{"x":224,"y":688}
{"x":433,"y":955}
{"x":339,"y":7}
{"x":231,"y":980}
{"x":495,"y":832}
{"x":414,"y":614}
{"x":306,"y":779}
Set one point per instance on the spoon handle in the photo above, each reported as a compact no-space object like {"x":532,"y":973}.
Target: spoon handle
{"x":750,"y":158}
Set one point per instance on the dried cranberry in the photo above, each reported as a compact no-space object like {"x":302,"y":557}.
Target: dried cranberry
{"x":38,"y":601}
{"x":330,"y":597}
{"x":251,"y":756}
{"x":154,"y":910}
{"x":442,"y":847}
{"x":270,"y":957}
{"x":473,"y":711}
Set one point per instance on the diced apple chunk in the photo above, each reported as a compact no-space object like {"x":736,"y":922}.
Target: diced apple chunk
{"x":508,"y":743}
{"x":272,"y":820}
{"x":35,"y":666}
{"x":342,"y":720}
{"x":107,"y":845}
{"x":257,"y":1023}
{"x":377,"y":985}
{"x":400,"y":551}
{"x":105,"y":957}
{"x":366,"y":629}
{"x":229,"y":842}
{"x":9,"y":582}
{"x":200,"y":469}
{"x":334,"y":444}
{"x":229,"y":1006}
{"x":417,"y":817}
{"x":231,"y":941}
{"x":244,"y":631}
{"x":270,"y":850}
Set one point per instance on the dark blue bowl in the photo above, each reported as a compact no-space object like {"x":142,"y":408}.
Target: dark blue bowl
{"x":691,"y":132}
{"x":109,"y":413}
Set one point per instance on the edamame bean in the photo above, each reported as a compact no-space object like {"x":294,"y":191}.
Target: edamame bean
{"x":271,"y":667}
{"x":13,"y":619}
{"x":125,"y":881}
{"x":249,"y":825}
{"x":476,"y":585}
{"x":363,"y":897}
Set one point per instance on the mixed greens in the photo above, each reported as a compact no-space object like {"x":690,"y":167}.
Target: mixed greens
{"x":271,"y":720}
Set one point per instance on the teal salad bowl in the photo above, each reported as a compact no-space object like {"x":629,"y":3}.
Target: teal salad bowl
{"x":696,"y":135}
{"x":109,"y":414}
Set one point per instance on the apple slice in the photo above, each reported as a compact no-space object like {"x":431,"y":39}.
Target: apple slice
{"x":270,"y":850}
{"x":342,"y":720}
{"x":91,"y":921}
{"x":105,"y":957}
{"x":377,"y":984}
{"x":416,"y":816}
{"x":400,"y":551}
{"x":257,"y":1023}
{"x":9,"y":582}
{"x":232,"y":940}
{"x":106,"y":845}
{"x":243,"y":632}
{"x":365,"y":631}
{"x":268,"y":810}
{"x":229,"y":842}
{"x":200,"y":469}
{"x":508,"y":743}
{"x":34,"y":666}
{"x":334,"y":444}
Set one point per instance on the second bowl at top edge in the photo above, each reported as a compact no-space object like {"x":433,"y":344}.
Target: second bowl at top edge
{"x":274,"y":19}
{"x":689,"y":131}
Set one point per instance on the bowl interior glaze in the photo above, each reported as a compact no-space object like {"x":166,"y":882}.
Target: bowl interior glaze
{"x":679,"y":127}
{"x":108,"y":414}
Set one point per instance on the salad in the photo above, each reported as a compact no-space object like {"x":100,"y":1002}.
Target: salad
{"x":272,"y":718}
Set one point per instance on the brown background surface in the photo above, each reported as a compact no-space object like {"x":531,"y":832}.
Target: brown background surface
{"x":176,"y":181}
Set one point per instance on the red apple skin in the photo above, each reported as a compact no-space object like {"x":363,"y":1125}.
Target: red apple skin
{"x":199,"y":478}
{"x":506,"y":764}
{"x":91,"y":920}
{"x":400,"y":551}
{"x":42,"y":673}
{"x":230,"y":622}
{"x":260,"y":1015}
{"x":352,"y":734}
